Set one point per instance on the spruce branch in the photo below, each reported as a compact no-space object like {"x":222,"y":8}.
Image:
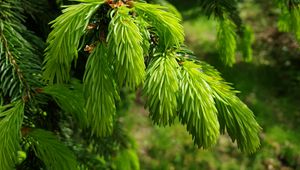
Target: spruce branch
{"x":161,"y":89}
{"x":63,"y":41}
{"x":198,"y":111}
{"x":51,"y":151}
{"x":191,"y":90}
{"x":234,"y":116}
{"x":124,"y":42}
{"x":70,"y":98}
{"x":100,"y":92}
{"x":19,"y":64}
{"x":227,"y":41}
{"x":16,"y":68}
{"x":166,"y":24}
{"x":230,"y":28}
{"x":11,"y":118}
{"x":289,"y":18}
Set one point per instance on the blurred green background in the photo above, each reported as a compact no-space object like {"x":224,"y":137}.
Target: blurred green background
{"x":270,"y":85}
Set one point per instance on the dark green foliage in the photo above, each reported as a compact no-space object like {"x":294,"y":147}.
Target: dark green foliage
{"x":51,"y":151}
{"x":70,"y":99}
{"x":218,"y":8}
{"x":19,"y":65}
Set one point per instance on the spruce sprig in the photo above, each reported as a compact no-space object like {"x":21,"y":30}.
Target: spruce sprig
{"x":198,"y":111}
{"x":63,"y":41}
{"x":166,"y":24}
{"x":11,"y":118}
{"x":100,"y":92}
{"x":289,"y":18}
{"x":161,"y":88}
{"x":124,"y":42}
{"x":227,"y":41}
{"x":19,"y":64}
{"x":234,"y":116}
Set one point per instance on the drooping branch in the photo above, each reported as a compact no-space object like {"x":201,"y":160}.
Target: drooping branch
{"x":13,"y":61}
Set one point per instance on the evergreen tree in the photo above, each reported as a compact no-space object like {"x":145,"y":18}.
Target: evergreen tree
{"x":123,"y":45}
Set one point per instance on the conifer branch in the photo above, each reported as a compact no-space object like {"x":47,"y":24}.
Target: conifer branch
{"x":198,"y":111}
{"x":234,"y":116}
{"x":13,"y":61}
{"x":63,"y":41}
{"x":11,"y":118}
{"x":51,"y":151}
{"x":100,"y":92}
{"x":70,"y":98}
{"x":161,"y":89}
{"x":289,"y":19}
{"x":124,"y":42}
{"x":230,"y":28}
{"x":191,"y":90}
{"x":18,"y":61}
{"x":166,"y":24}
{"x":227,"y":41}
